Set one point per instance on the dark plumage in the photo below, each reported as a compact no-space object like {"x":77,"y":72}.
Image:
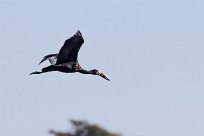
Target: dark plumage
{"x":66,"y":60}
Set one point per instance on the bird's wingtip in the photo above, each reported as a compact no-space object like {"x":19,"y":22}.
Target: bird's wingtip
{"x":78,"y":33}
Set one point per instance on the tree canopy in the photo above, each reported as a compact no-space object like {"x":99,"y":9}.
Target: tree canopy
{"x":83,"y":128}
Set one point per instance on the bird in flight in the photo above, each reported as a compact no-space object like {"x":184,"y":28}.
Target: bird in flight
{"x":66,"y":60}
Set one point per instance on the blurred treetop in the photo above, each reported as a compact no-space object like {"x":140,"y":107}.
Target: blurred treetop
{"x":83,"y":128}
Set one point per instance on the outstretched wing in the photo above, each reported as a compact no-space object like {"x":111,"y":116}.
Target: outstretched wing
{"x":70,"y":49}
{"x":51,"y":57}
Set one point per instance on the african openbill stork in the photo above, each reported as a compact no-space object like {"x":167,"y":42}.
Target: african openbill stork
{"x":66,"y":60}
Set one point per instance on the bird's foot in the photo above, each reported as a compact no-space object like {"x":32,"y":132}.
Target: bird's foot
{"x":36,"y":72}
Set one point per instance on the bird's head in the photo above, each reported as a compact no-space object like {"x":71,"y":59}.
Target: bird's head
{"x":96,"y":72}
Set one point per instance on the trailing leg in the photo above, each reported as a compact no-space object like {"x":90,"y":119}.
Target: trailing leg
{"x":36,"y":72}
{"x":44,"y":70}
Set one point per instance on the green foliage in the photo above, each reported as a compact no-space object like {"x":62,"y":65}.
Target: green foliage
{"x":83,"y":128}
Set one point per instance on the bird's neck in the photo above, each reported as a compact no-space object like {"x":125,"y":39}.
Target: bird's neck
{"x":83,"y":71}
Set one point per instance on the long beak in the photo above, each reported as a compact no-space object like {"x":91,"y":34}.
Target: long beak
{"x":104,"y":76}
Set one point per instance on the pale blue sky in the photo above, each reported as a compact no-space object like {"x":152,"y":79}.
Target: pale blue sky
{"x":152,"y":50}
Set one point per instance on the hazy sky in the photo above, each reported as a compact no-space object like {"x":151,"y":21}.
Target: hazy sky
{"x":152,"y":50}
